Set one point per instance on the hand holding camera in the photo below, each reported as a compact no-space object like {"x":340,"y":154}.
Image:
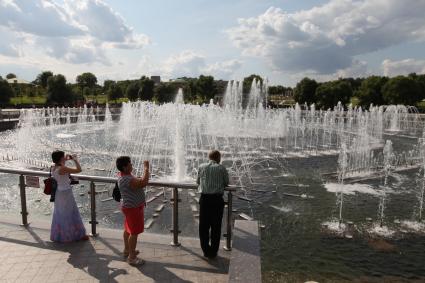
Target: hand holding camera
{"x":146,"y":164}
{"x":71,"y":157}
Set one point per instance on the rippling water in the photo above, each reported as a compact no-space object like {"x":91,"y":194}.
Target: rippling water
{"x":289,"y":196}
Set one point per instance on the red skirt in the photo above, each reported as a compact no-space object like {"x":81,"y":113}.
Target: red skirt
{"x":134,"y":219}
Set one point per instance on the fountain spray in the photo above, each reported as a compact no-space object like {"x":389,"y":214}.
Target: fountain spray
{"x":421,"y":194}
{"x":342,"y":170}
{"x":179,"y":158}
{"x":388,"y":157}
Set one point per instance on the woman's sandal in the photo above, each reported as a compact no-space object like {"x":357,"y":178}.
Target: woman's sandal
{"x":126,"y":254}
{"x":136,"y":261}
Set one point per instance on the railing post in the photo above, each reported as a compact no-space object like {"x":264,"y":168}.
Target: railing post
{"x":93,"y":221}
{"x":22,"y":192}
{"x":175,"y":229}
{"x":228,"y":246}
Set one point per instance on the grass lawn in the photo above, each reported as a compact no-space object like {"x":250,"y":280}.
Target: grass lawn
{"x":354,"y":101}
{"x":101,"y":99}
{"x":28,"y":100}
{"x":421,"y":106}
{"x":282,"y":100}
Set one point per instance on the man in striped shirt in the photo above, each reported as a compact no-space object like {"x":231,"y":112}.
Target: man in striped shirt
{"x":212,"y":179}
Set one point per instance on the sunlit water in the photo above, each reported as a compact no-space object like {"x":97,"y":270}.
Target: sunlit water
{"x":278,"y":156}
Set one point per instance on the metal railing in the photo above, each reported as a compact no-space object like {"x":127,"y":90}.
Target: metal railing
{"x":99,"y":179}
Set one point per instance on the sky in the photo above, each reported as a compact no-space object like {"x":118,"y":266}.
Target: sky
{"x":282,"y":40}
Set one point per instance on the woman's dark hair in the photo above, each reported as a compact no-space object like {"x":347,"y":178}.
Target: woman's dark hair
{"x":122,"y":162}
{"x":57,"y":156}
{"x":215,"y":155}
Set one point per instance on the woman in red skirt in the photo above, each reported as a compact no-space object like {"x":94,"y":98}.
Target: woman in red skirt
{"x":132,"y":205}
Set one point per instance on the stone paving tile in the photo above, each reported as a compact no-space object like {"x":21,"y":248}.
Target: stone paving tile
{"x":27,"y":255}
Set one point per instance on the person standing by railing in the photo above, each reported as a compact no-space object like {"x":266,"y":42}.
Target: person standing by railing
{"x":67,"y":225}
{"x":133,"y":205}
{"x":212,"y":179}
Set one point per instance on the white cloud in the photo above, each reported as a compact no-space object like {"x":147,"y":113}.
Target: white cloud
{"x":10,"y":45}
{"x":103,"y":23}
{"x":357,"y":69}
{"x":43,"y":18}
{"x":222,"y":70}
{"x":79,"y":32}
{"x":403,"y":67}
{"x":190,"y":63}
{"x":76,"y":51}
{"x":186,"y":63}
{"x":326,"y":39}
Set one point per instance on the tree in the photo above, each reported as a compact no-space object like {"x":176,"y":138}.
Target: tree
{"x":107,"y":84}
{"x":6,"y":92}
{"x":370,"y":91}
{"x":86,"y":80}
{"x":58,"y":92}
{"x":246,"y":87}
{"x":114,"y":92}
{"x":165,"y":92}
{"x":420,"y":79}
{"x":354,"y":82}
{"x":146,"y":90}
{"x":132,"y":91}
{"x":330,"y":93}
{"x":402,"y":90}
{"x":87,"y":92}
{"x":42,"y":78}
{"x":189,"y":91}
{"x":247,"y":82}
{"x":10,"y":76}
{"x":276,"y":90}
{"x":205,"y":87}
{"x":305,"y":91}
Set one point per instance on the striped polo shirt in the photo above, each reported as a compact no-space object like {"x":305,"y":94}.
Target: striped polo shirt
{"x":212,"y":178}
{"x":130,"y":197}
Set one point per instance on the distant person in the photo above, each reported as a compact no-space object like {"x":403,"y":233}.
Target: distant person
{"x":133,"y":205}
{"x":212,"y":179}
{"x":67,"y":225}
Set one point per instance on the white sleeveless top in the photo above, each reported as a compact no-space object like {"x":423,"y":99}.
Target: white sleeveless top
{"x":64,"y":183}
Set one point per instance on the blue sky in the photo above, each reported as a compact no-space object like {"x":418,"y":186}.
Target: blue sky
{"x":282,"y":40}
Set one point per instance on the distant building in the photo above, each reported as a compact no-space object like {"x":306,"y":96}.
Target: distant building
{"x":289,"y":93}
{"x":178,"y":80}
{"x":156,"y":79}
{"x":18,"y":81}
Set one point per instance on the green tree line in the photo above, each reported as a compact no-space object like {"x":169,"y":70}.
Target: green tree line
{"x":376,"y":90}
{"x":55,"y":90}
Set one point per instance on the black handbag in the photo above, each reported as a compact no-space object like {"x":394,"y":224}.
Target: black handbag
{"x":116,"y":194}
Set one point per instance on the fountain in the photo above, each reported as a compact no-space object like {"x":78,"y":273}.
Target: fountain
{"x":388,"y":158}
{"x":280,"y":157}
{"x":179,"y":148}
{"x":422,"y":188}
{"x":342,"y":170}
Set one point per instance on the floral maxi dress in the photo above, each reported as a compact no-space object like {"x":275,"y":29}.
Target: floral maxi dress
{"x":67,"y":225}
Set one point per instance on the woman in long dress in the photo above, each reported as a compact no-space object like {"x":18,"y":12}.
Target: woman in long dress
{"x":67,"y":225}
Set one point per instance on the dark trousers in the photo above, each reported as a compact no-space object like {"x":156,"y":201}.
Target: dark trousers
{"x":210,"y":216}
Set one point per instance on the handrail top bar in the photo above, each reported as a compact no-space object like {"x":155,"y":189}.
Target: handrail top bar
{"x":101,"y":179}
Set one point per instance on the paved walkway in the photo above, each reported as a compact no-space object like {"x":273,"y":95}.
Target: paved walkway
{"x":27,"y":255}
